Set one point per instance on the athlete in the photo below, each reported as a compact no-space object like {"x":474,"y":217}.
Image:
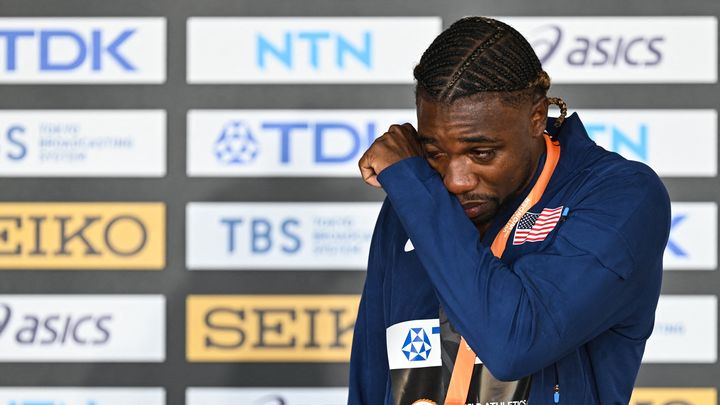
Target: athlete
{"x":514,"y":261}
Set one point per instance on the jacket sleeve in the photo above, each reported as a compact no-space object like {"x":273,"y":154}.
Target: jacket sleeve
{"x":369,"y":370}
{"x":601,"y":265}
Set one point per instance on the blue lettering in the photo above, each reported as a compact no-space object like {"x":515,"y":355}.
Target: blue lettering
{"x":294,"y":237}
{"x":264,"y":46}
{"x":19,"y":155}
{"x":313,"y":38}
{"x":673,"y":246}
{"x":46,"y":36}
{"x":231,"y":224}
{"x":320,"y":129}
{"x":285,"y":129}
{"x":620,"y":140}
{"x":10,"y":46}
{"x":594,"y":130}
{"x":639,"y":147}
{"x":261,"y":235}
{"x":344,"y":49}
{"x":111,"y":50}
{"x":362,"y":55}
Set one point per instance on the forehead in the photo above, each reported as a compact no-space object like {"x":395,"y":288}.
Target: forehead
{"x":487,"y":113}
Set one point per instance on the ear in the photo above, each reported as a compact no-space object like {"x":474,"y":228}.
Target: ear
{"x":538,"y":117}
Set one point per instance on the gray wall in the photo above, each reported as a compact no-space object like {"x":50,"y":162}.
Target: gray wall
{"x":176,"y":189}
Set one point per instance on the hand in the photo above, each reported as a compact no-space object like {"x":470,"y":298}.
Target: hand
{"x":398,"y":143}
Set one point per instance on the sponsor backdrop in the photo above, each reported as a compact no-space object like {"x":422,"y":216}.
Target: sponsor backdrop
{"x":181,"y":218}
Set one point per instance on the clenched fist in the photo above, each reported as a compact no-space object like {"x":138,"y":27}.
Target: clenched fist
{"x":398,"y":143}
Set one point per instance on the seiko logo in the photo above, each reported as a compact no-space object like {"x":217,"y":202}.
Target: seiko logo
{"x":71,"y":235}
{"x":270,"y":328}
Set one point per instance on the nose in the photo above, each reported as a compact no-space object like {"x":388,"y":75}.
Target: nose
{"x":458,"y":177}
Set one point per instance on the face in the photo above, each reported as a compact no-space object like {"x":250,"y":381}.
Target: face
{"x":485,"y":149}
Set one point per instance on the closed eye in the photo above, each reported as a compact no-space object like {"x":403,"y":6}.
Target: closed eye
{"x":482,"y":155}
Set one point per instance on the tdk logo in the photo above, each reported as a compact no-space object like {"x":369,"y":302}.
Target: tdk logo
{"x":67,"y":49}
{"x":292,"y":143}
{"x":603,"y":50}
{"x":82,"y":50}
{"x":323,"y":134}
{"x":263,"y":235}
{"x":55,"y":329}
{"x":236,"y":144}
{"x":314,"y":49}
{"x":673,"y":246}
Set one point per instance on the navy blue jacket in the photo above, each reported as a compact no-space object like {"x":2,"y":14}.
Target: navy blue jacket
{"x":576,"y":307}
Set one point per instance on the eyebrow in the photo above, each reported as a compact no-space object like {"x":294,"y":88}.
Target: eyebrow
{"x":423,"y":139}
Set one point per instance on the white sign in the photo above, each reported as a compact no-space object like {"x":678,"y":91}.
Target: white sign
{"x":82,"y":328}
{"x":82,"y":50}
{"x":266,"y":396}
{"x":675,"y":143}
{"x":82,"y":396}
{"x":307,"y":50}
{"x":623,"y":49}
{"x":279,"y":236}
{"x":693,"y":237}
{"x":82,"y":143}
{"x":685,"y":330}
{"x":284,"y":143}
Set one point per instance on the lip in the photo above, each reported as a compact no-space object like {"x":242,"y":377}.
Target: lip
{"x":473,"y":208}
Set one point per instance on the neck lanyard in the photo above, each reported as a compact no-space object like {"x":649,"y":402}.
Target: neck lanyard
{"x":465,"y":360}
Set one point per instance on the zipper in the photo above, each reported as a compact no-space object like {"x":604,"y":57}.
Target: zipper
{"x":556,"y":388}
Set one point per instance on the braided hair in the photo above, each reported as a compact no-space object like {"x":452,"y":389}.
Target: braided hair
{"x":481,"y":55}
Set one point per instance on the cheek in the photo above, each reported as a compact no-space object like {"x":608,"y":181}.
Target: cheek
{"x":506,"y":175}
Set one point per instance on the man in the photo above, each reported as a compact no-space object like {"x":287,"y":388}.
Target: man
{"x":507,"y":236}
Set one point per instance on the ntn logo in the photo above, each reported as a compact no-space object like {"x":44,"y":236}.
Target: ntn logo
{"x":634,"y":145}
{"x":65,"y":49}
{"x":313,"y":47}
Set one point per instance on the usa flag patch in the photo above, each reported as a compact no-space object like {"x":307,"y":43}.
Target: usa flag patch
{"x":534,"y":227}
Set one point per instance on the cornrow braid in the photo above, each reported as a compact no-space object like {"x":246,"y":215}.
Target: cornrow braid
{"x":482,"y":55}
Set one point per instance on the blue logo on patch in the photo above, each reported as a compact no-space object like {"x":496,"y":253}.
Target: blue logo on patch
{"x":417,"y":345}
{"x":236,"y":144}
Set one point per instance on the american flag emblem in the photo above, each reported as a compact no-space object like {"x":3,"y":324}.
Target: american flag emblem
{"x":534,"y":227}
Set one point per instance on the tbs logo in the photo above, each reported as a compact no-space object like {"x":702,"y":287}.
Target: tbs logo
{"x":263,"y":235}
{"x":55,"y":328}
{"x":551,"y":42}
